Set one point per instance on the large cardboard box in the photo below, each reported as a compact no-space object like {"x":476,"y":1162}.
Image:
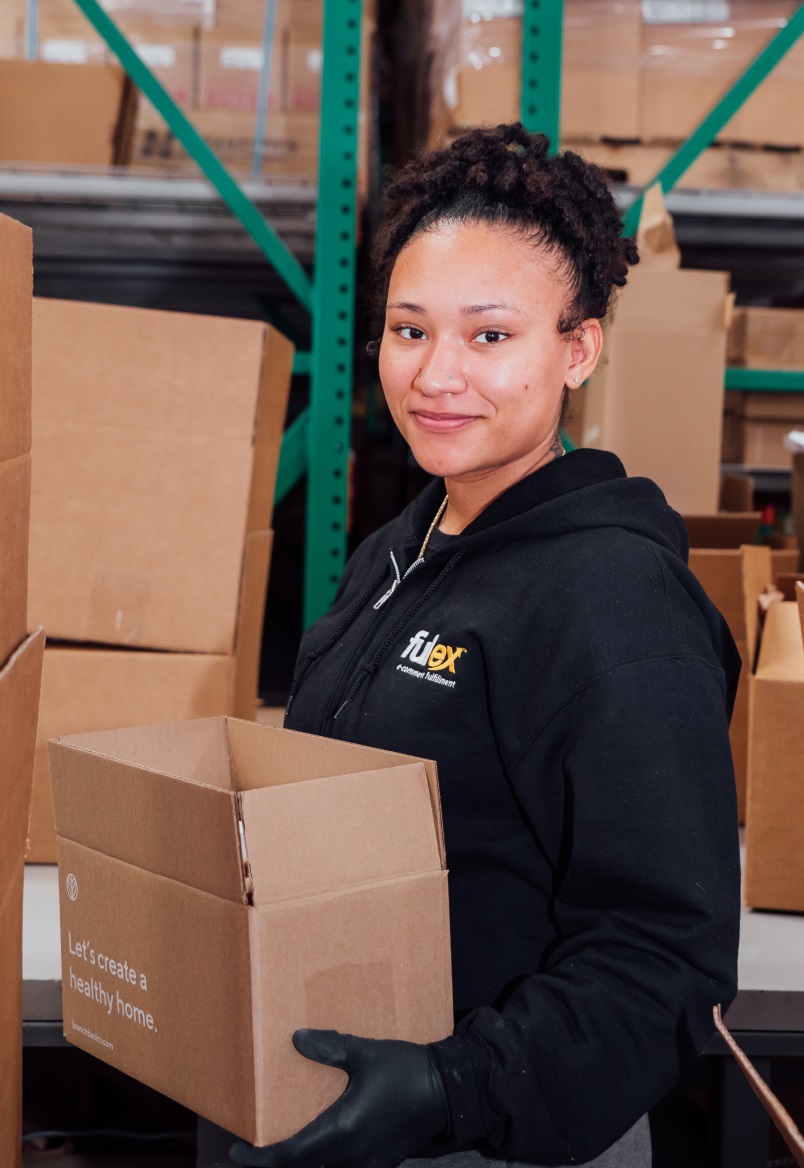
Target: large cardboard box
{"x":86,"y":689}
{"x":718,"y":557}
{"x":156,"y":443}
{"x":656,"y":400}
{"x":756,"y":426}
{"x":68,"y":113}
{"x":19,"y":702}
{"x":223,"y":883}
{"x":774,"y":841}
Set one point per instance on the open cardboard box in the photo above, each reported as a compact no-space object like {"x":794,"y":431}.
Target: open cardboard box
{"x":719,"y":545}
{"x":774,"y":838}
{"x":156,"y":440}
{"x":91,"y":688}
{"x":20,"y":678}
{"x":223,"y":883}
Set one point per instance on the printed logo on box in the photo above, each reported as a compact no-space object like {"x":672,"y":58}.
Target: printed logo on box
{"x":72,"y":886}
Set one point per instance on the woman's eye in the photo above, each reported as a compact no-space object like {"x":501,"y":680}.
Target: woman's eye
{"x":490,"y":336}
{"x":408,"y":333}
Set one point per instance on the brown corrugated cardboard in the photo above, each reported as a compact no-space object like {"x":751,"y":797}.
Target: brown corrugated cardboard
{"x":19,"y":701}
{"x":305,"y":886}
{"x":797,"y":498}
{"x":102,"y":689}
{"x":68,"y":113}
{"x":774,"y":842}
{"x":657,"y":399}
{"x":719,"y":563}
{"x":15,"y":496}
{"x":156,"y":441}
{"x":16,"y":289}
{"x":290,"y":146}
{"x":231,"y":62}
{"x":768,"y":338}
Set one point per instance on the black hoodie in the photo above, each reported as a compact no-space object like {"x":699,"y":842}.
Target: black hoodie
{"x":574,"y":683}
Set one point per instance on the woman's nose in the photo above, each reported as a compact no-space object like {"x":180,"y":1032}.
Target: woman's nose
{"x":440,"y":371}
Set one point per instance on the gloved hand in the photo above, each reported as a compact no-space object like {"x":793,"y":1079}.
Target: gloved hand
{"x":393,"y":1104}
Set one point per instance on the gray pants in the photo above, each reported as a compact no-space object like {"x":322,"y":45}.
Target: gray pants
{"x":633,"y":1150}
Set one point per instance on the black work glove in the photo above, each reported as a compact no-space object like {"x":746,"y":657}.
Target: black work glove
{"x":393,"y":1104}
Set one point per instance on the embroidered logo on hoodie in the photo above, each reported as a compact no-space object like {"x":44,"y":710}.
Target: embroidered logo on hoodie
{"x":434,"y":655}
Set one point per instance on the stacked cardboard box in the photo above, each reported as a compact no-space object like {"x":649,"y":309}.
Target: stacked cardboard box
{"x":20,"y":662}
{"x":756,"y":424}
{"x":224,"y":82}
{"x":253,"y":880}
{"x":721,"y":555}
{"x":631,"y":71}
{"x":156,"y":438}
{"x":774,"y":841}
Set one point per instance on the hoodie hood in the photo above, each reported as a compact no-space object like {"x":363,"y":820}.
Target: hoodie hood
{"x":584,"y":489}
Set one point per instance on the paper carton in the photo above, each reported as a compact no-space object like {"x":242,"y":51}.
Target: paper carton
{"x":16,"y":283}
{"x":223,"y":883}
{"x":156,"y":442}
{"x":774,"y":841}
{"x":19,"y":702}
{"x":86,"y":689}
{"x":718,"y":560}
{"x":68,"y":113}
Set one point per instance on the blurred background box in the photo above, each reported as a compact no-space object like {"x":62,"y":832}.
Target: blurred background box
{"x":73,"y":113}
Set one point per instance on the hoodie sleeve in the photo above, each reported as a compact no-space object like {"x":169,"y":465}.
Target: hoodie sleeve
{"x":646,"y":908}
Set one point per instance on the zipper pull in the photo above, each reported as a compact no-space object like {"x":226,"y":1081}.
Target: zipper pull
{"x":340,"y":710}
{"x":397,"y":581}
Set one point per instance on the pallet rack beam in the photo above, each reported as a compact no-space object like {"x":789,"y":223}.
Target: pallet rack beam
{"x":765,"y":380}
{"x":723,"y":112}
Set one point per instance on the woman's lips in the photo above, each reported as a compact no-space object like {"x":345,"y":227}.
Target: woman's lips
{"x":442,"y":423}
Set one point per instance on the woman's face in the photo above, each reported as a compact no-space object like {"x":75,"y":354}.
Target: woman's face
{"x":472,"y":363}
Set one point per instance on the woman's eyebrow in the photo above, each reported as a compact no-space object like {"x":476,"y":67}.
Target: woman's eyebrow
{"x":404,"y":306}
{"x":477,"y":309}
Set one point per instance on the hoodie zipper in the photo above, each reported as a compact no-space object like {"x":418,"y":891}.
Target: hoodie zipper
{"x":398,"y":578}
{"x":390,"y":640}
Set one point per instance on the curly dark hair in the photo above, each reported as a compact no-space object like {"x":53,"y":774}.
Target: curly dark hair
{"x":505,"y":176}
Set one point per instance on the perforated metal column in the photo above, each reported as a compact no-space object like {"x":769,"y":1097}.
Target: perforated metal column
{"x":542,"y":34}
{"x":333,"y":308}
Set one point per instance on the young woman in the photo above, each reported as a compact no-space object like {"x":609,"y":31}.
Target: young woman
{"x":530,"y":623}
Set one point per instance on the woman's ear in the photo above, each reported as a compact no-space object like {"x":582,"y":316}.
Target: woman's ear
{"x":585,"y":349}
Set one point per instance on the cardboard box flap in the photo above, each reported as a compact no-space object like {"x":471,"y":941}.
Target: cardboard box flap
{"x":277,"y":368}
{"x":757,"y":573}
{"x":723,"y":530}
{"x":16,"y":264}
{"x":166,"y":426}
{"x":309,"y":838}
{"x":173,"y":827}
{"x":20,"y":681}
{"x":297,"y":757}
{"x":781,"y":651}
{"x":800,"y":602}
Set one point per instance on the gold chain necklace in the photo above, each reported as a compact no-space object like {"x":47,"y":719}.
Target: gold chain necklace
{"x":432,"y":527}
